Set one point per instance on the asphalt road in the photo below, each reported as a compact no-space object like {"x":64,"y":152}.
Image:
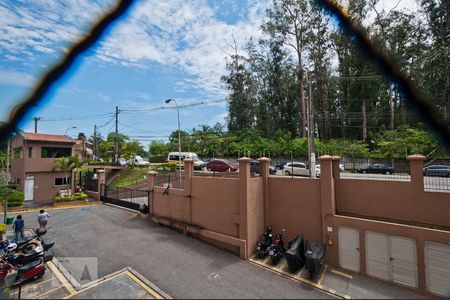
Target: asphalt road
{"x":181,"y":266}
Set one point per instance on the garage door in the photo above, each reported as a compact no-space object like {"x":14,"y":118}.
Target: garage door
{"x":403,"y":257}
{"x":377,"y":255}
{"x":391,"y":258}
{"x":437,"y":268}
{"x":349,"y":248}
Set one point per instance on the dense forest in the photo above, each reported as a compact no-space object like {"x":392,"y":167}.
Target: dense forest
{"x":306,"y":73}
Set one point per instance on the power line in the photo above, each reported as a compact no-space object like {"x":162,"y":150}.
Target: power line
{"x":81,"y":117}
{"x":171,"y":107}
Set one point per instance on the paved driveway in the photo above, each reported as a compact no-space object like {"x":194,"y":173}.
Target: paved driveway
{"x":181,"y":266}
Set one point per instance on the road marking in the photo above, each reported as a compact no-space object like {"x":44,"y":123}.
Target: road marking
{"x":144,"y":286}
{"x":48,"y":292}
{"x":341,"y":273}
{"x":61,"y":278}
{"x":323,"y":274}
{"x":295,"y":277}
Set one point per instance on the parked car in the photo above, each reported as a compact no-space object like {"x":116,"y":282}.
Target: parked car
{"x":377,"y":169}
{"x":341,"y":168}
{"x":437,"y":170}
{"x":221,"y":165}
{"x":122,"y":161}
{"x":174,"y":157}
{"x":295,"y":168}
{"x":254,"y":167}
{"x":138,"y":161}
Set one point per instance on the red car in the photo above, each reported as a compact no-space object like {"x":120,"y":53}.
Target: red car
{"x":220,"y":165}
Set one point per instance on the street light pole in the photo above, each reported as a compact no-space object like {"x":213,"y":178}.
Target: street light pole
{"x":179,"y":134}
{"x":73,"y":127}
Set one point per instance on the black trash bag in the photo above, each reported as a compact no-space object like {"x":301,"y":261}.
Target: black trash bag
{"x":314,"y":257}
{"x":295,"y":256}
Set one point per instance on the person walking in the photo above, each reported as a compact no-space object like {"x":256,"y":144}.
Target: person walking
{"x":43,"y":219}
{"x":18,"y":227}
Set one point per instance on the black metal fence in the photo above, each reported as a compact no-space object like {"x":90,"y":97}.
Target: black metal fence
{"x":173,"y":180}
{"x":88,"y":183}
{"x":376,"y":170}
{"x":126,"y":197}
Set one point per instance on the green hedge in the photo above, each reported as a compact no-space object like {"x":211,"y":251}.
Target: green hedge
{"x":74,"y":197}
{"x":14,"y":199}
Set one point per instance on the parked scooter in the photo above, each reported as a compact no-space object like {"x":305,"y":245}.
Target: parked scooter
{"x":11,"y":275}
{"x":25,"y":246}
{"x":264,"y":245}
{"x":314,"y":257}
{"x":20,"y":259}
{"x":277,"y":249}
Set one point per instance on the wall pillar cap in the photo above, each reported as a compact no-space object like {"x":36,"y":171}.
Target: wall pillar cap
{"x":326,"y":157}
{"x":188,"y":159}
{"x":244,"y":159}
{"x":416,"y":157}
{"x":335,"y":157}
{"x":152,"y":173}
{"x":101,"y":171}
{"x":263,"y":159}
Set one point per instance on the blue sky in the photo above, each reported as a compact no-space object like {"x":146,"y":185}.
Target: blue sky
{"x":171,"y":49}
{"x":163,"y":49}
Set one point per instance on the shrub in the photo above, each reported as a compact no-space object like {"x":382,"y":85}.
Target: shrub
{"x":74,"y":197}
{"x":15,"y":198}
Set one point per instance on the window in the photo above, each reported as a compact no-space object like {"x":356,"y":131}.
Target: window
{"x":62,"y":181}
{"x":30,"y":152}
{"x":17,"y":153}
{"x":55,"y":152}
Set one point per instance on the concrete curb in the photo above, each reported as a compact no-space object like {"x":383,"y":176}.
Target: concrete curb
{"x":25,"y":210}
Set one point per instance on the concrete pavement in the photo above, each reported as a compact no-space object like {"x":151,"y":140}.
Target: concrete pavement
{"x":181,"y":266}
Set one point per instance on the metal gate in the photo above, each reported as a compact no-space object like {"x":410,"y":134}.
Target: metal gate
{"x":130,"y":198}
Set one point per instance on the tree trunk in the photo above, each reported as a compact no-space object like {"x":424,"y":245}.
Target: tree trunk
{"x":391,"y":109}
{"x":364,"y":120}
{"x":302,"y":107}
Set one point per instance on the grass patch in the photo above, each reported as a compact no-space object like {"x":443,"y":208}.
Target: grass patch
{"x":129,"y":177}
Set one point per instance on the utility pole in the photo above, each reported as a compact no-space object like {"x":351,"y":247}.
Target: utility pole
{"x":311,"y":148}
{"x":116,"y":138}
{"x":8,"y":156}
{"x":36,"y":119}
{"x":95,"y":142}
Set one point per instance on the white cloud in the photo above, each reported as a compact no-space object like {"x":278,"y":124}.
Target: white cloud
{"x":16,"y":78}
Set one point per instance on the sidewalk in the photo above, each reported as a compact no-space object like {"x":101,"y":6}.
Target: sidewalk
{"x":30,"y":207}
{"x":342,"y":284}
{"x":358,"y":286}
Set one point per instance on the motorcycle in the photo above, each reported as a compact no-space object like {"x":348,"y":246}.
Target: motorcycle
{"x":314,"y":257}
{"x":28,"y":245}
{"x":19,"y":259}
{"x":295,"y":256}
{"x":264,"y":245}
{"x":11,"y":275}
{"x":277,"y":249}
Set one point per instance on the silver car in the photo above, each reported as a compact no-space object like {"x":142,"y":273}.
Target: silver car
{"x":295,"y":168}
{"x":437,"y":170}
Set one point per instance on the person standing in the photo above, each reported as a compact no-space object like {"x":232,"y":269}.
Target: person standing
{"x":18,"y":227}
{"x":43,"y":219}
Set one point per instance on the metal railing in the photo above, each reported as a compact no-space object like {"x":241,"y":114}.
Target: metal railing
{"x":126,"y":197}
{"x":376,"y":170}
{"x":171,"y":180}
{"x":436,"y":183}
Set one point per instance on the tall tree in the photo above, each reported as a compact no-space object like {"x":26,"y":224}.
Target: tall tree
{"x":241,"y":85}
{"x":289,"y":21}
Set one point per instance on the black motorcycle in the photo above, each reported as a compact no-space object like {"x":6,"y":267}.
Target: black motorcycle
{"x":295,"y":256}
{"x":314,"y":257}
{"x":264,"y":245}
{"x":277,"y":249}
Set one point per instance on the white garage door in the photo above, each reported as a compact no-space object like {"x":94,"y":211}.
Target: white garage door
{"x":403,"y":256}
{"x":437,"y":268}
{"x":377,"y":255}
{"x":391,"y":258}
{"x":349,"y":248}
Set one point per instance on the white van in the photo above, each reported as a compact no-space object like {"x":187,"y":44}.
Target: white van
{"x":174,"y":157}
